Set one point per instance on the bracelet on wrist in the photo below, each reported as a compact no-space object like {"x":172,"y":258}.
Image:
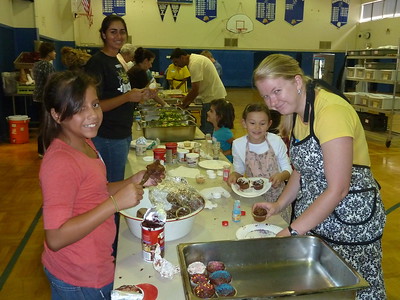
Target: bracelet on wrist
{"x":115,"y":203}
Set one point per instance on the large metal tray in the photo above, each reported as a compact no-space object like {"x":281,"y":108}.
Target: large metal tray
{"x":170,"y":134}
{"x":282,"y":267}
{"x":152,"y":113}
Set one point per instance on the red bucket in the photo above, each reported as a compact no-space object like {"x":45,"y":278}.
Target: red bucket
{"x":19,"y":129}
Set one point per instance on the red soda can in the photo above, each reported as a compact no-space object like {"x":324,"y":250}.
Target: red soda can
{"x":152,"y":235}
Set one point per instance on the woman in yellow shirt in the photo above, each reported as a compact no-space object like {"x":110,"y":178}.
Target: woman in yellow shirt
{"x":332,"y":189}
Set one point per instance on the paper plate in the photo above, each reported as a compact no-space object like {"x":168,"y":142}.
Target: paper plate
{"x":254,"y":231}
{"x":213,"y":164}
{"x":251,"y":192}
{"x":190,"y":145}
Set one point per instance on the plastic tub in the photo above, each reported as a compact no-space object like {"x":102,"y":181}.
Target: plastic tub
{"x":174,"y":228}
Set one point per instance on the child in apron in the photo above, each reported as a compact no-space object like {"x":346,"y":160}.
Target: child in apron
{"x":261,"y":154}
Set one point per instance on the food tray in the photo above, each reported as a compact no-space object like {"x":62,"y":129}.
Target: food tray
{"x":25,"y":60}
{"x":170,"y":134}
{"x":170,"y":113}
{"x":301,"y":266}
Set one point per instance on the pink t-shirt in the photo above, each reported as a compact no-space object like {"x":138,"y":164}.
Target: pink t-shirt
{"x":73,"y":184}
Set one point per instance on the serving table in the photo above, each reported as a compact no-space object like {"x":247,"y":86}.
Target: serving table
{"x":130,"y":266}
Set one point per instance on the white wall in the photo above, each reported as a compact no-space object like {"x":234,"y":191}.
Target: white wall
{"x":147,"y":29}
{"x":383,"y":32}
{"x":17,"y":13}
{"x":54,"y":19}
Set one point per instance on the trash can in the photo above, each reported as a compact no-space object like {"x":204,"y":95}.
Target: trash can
{"x":19,"y":129}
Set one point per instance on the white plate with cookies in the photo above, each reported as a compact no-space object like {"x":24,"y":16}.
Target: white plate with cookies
{"x":251,"y":192}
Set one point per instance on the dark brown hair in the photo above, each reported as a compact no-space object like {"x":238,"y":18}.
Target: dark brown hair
{"x":256,"y":107}
{"x":107,"y":23}
{"x":45,"y":48}
{"x":65,"y":93}
{"x":225,"y":111}
{"x":141,"y":54}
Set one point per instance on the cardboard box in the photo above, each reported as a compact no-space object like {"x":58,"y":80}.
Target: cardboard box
{"x":360,"y":72}
{"x":351,"y":72}
{"x":382,"y":101}
{"x":353,"y":97}
{"x":372,"y":74}
{"x":362,"y":99}
{"x":389,"y":75}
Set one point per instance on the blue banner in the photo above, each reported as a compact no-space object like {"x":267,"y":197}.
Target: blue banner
{"x":294,"y":11}
{"x":340,"y":12}
{"x":117,"y":7}
{"x":265,"y":11}
{"x":206,"y":10}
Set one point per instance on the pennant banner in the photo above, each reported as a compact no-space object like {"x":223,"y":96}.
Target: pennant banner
{"x":294,"y":11}
{"x":265,"y":11}
{"x":175,"y":10}
{"x":163,"y":9}
{"x":206,"y":10}
{"x":340,"y":12}
{"x":117,"y":7}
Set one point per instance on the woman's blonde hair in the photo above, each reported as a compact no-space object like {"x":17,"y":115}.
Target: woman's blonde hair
{"x":280,"y":66}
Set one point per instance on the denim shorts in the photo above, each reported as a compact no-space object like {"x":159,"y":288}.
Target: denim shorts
{"x":64,"y":291}
{"x":114,"y":154}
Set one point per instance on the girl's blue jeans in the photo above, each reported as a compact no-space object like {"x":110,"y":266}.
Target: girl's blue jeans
{"x":61,"y":290}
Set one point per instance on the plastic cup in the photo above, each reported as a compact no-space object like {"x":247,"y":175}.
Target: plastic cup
{"x":192,"y":159}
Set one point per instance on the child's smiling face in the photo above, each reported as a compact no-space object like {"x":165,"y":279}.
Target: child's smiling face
{"x":257,"y":124}
{"x":85,"y":123}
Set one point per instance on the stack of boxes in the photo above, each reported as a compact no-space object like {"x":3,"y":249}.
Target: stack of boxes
{"x":375,"y":70}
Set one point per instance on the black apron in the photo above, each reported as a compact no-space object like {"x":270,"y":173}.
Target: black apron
{"x":356,"y":225}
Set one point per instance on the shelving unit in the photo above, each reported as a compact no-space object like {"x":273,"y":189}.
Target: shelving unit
{"x":375,"y":66}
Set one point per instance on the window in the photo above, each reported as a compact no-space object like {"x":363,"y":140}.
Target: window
{"x":380,"y":9}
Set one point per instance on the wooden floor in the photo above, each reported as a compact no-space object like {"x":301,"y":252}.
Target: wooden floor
{"x":21,"y":228}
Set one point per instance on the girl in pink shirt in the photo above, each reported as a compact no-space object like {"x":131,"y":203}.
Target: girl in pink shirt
{"x":78,"y":202}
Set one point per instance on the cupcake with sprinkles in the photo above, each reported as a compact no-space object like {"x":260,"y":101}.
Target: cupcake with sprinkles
{"x":198,"y":278}
{"x":204,"y":290}
{"x":225,"y":290}
{"x":220,"y":277}
{"x":215,"y":265}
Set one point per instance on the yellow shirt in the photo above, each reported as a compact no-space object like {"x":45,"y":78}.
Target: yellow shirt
{"x":335,"y":118}
{"x":176,"y":75}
